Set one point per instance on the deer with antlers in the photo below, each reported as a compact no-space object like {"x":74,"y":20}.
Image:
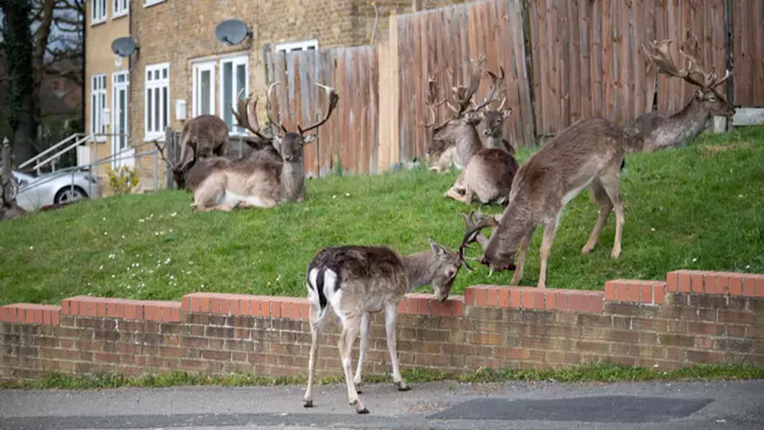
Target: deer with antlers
{"x":222,"y":184}
{"x":660,"y":130}
{"x":488,"y":173}
{"x":589,"y":153}
{"x":356,"y":281}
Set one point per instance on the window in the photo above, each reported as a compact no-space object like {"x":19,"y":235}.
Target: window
{"x":97,"y":11}
{"x":157,"y":115}
{"x":97,"y":105}
{"x":147,"y":3}
{"x":121,"y":8}
{"x":233,"y":85}
{"x":203,"y":88}
{"x":304,"y":45}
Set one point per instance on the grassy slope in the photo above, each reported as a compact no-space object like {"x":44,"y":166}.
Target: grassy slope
{"x":699,"y":208}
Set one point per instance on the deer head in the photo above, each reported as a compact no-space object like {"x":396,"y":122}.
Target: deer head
{"x":464,"y":110}
{"x":693,"y":73}
{"x":290,"y":143}
{"x":493,"y":120}
{"x":179,"y":172}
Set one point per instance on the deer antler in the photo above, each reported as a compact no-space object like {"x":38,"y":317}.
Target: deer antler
{"x":474,"y":223}
{"x":496,"y":84}
{"x":268,"y":107}
{"x":464,"y":95}
{"x":161,"y":151}
{"x":246,"y":115}
{"x":429,"y":103}
{"x":332,"y":99}
{"x":693,"y":73}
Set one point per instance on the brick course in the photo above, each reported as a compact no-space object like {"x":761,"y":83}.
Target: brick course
{"x":664,"y":324}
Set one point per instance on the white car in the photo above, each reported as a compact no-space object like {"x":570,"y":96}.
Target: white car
{"x":53,"y":188}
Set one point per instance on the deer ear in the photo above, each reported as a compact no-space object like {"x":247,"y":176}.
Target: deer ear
{"x":309,"y":139}
{"x":699,"y":94}
{"x":277,"y":143}
{"x":437,"y":249}
{"x":506,"y":113}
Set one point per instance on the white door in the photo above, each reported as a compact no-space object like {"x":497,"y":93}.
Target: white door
{"x":204,"y":89}
{"x":123,"y":153}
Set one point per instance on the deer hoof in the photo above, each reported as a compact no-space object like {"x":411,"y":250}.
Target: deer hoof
{"x":401,"y":385}
{"x":363,"y":411}
{"x":616,"y":253}
{"x":587,"y":249}
{"x":308,"y":403}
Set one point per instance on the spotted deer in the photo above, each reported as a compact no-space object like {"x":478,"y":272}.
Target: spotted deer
{"x":660,"y":130}
{"x":222,"y":184}
{"x":356,"y":281}
{"x":488,"y":173}
{"x":589,"y":153}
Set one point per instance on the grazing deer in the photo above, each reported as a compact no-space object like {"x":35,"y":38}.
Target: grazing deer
{"x":201,"y":137}
{"x":661,"y":130}
{"x":221,"y":184}
{"x":359,"y":280}
{"x":488,"y":172}
{"x":589,"y":153}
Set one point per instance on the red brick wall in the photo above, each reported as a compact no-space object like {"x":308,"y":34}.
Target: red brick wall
{"x":693,"y":317}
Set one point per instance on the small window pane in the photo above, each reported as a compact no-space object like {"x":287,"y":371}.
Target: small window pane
{"x":165,"y":109}
{"x":227,"y":90}
{"x":158,"y":103}
{"x":149,"y":106}
{"x":164,"y":73}
{"x":204,"y":93}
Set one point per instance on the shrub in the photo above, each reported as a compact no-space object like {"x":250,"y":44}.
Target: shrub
{"x":123,"y":180}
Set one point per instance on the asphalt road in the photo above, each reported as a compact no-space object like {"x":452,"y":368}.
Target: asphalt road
{"x":624,"y":406}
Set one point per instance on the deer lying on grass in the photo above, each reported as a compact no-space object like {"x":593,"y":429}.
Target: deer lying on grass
{"x":661,"y":130}
{"x":358,"y":280}
{"x":488,"y":172}
{"x":222,"y":184}
{"x":587,"y":154}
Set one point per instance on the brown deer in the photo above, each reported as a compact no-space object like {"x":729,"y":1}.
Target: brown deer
{"x":489,"y":172}
{"x":222,"y":184}
{"x":201,"y":137}
{"x":661,"y":130}
{"x":589,"y":153}
{"x":359,"y":280}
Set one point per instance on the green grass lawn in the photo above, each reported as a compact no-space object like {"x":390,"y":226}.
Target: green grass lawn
{"x":699,"y":207}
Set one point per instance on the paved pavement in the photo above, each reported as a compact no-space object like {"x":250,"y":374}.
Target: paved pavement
{"x":448,"y":405}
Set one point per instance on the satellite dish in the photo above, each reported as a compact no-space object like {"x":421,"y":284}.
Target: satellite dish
{"x":124,"y":46}
{"x":231,"y":32}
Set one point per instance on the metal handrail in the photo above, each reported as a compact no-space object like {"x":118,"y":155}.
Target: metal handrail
{"x":38,"y":156}
{"x":68,"y":148}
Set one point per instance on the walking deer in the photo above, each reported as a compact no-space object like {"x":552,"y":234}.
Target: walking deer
{"x":222,"y":184}
{"x":661,"y":130}
{"x":488,"y":172}
{"x":587,"y":154}
{"x":359,"y":280}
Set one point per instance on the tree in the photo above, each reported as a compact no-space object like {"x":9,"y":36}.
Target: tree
{"x":17,"y":45}
{"x":41,"y":39}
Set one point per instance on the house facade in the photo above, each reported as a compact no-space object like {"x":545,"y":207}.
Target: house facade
{"x":181,"y":70}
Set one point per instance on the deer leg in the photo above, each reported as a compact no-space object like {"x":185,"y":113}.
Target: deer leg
{"x":518,"y":274}
{"x":365,"y":320}
{"x":391,"y":314}
{"x":599,"y":195}
{"x":316,"y":320}
{"x":551,"y":228}
{"x":611,"y":186}
{"x":347,"y":337}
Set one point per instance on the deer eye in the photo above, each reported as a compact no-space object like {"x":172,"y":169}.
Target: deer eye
{"x":713,"y":99}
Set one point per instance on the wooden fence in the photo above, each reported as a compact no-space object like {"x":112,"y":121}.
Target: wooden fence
{"x":442,"y":42}
{"x":348,"y":141}
{"x":588,"y":61}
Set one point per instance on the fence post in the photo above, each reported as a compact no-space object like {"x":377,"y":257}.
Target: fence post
{"x":5,"y":173}
{"x":729,"y":57}
{"x":170,"y":155}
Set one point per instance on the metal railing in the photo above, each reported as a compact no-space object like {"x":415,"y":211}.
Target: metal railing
{"x":52,"y":148}
{"x":118,"y":156}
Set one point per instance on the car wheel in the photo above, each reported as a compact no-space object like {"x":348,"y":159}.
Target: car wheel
{"x":70,"y":194}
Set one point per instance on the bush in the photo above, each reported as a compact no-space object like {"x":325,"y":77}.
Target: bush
{"x":123,"y":180}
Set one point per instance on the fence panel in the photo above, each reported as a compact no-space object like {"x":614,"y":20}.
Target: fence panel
{"x":440,"y":43}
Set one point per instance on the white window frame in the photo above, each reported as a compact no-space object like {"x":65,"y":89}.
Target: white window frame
{"x":149,"y":3}
{"x":97,"y":106}
{"x":124,"y":158}
{"x":151,"y":85}
{"x":121,"y":8}
{"x":198,"y":68}
{"x":235,"y":61}
{"x":302,"y":45}
{"x":98,"y":11}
